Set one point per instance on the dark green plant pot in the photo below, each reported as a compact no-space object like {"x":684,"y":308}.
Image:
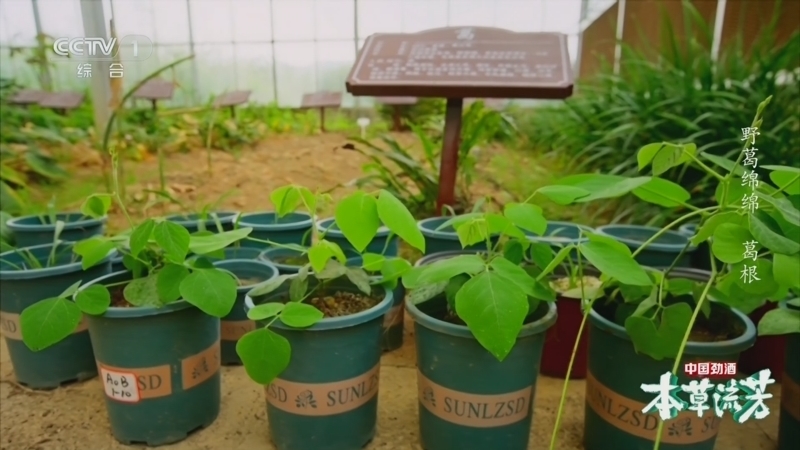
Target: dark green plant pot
{"x":333,"y":234}
{"x":293,"y":228}
{"x":614,"y":398}
{"x":392,"y":337}
{"x":467,"y":409}
{"x":249,"y":253}
{"x":701,"y":258}
{"x":193,"y":223}
{"x":789,"y":420}
{"x":446,"y":239}
{"x":169,"y":358}
{"x":29,"y":231}
{"x":327,"y":398}
{"x":236,"y":324}
{"x":661,"y":253}
{"x":561,"y":234}
{"x":275,"y":255}
{"x":66,"y":361}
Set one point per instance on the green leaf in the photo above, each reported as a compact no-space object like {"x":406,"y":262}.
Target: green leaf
{"x":494,"y":311}
{"x":287,"y":199}
{"x":763,"y":286}
{"x":663,"y":193}
{"x":265,"y":287}
{"x":357,"y":218}
{"x":141,"y":236}
{"x":680,"y":286}
{"x":710,"y":225}
{"x":616,"y":189}
{"x":613,"y":259}
{"x":513,"y":251}
{"x":72,"y":289}
{"x":541,"y":254}
{"x":785,"y":178}
{"x":322,"y":251}
{"x":360,"y":278}
{"x":526,"y":216}
{"x":168,"y":282}
{"x":473,"y":231}
{"x":445,"y":269}
{"x":96,"y":205}
{"x":333,"y":269}
{"x":497,"y":224}
{"x":211,"y":291}
{"x":664,"y":156}
{"x":300,"y":315}
{"x":298,"y":288}
{"x":173,"y":239}
{"x":265,"y":311}
{"x":372,"y":262}
{"x":399,"y":220}
{"x":94,"y":299}
{"x":394,"y":268}
{"x":513,"y":274}
{"x":725,"y":163}
{"x":208,"y":244}
{"x":143,"y":291}
{"x":452,"y":287}
{"x":664,"y":341}
{"x":48,"y":322}
{"x":779,"y":321}
{"x":736,"y":192}
{"x":770,"y":239}
{"x":645,"y":305}
{"x":786,"y":270}
{"x":729,"y":241}
{"x":563,"y":195}
{"x":264,"y":353}
{"x":92,"y":250}
{"x":784,"y":206}
{"x":646,"y":154}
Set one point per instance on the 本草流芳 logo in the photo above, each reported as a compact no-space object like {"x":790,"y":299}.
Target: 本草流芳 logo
{"x":129,"y":48}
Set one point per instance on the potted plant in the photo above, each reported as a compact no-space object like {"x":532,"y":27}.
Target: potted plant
{"x":440,"y":236}
{"x":488,"y":310}
{"x":785,"y":321}
{"x":155,"y":393}
{"x":318,"y":343}
{"x":384,"y":243}
{"x":280,"y":225}
{"x":660,"y":252}
{"x":700,"y":258}
{"x":29,"y":231}
{"x":30,"y":276}
{"x":654,"y":321}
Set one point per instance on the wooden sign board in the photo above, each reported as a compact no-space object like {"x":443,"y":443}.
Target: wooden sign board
{"x":62,"y":100}
{"x":156,"y":90}
{"x":397,"y":101}
{"x":461,"y":62}
{"x":27,"y":97}
{"x":232,"y":98}
{"x":322,"y":100}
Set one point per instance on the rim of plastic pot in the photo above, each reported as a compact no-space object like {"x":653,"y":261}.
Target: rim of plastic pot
{"x":21,"y":223}
{"x":433,"y":257}
{"x":551,"y":239}
{"x":608,"y":230}
{"x":230,"y":253}
{"x":428,"y":228}
{"x":688,"y":229}
{"x":357,"y":261}
{"x":328,"y":226}
{"x":279,"y":251}
{"x":735,"y":345}
{"x":293,"y":221}
{"x":332,"y":323}
{"x":45,"y":271}
{"x":115,"y":312}
{"x":256,"y":265}
{"x":194,"y":218}
{"x":538,"y":326}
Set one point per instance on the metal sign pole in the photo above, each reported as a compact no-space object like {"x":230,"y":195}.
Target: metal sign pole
{"x":94,"y":26}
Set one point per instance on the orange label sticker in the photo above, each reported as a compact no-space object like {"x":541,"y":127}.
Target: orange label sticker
{"x":233,"y":330}
{"x":393,"y":317}
{"x":150,"y":382}
{"x":324,"y":399}
{"x":10,"y":327}
{"x":790,"y":396}
{"x":474,"y":410}
{"x":200,"y":367}
{"x":626,"y":414}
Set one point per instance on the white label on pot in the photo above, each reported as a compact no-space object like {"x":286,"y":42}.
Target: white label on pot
{"x":120,"y":386}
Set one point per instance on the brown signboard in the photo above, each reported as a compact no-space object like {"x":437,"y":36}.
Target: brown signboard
{"x":232,"y":98}
{"x":156,"y":90}
{"x":61,"y":100}
{"x":322,"y":100}
{"x":461,"y":62}
{"x":492,"y":103}
{"x":397,"y":101}
{"x":27,"y":97}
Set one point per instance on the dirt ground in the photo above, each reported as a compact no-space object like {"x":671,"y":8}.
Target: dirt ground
{"x":74,"y":417}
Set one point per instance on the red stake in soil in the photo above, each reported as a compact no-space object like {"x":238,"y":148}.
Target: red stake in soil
{"x":457,"y":63}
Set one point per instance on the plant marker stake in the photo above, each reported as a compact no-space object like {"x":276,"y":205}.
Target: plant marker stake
{"x":363,"y":122}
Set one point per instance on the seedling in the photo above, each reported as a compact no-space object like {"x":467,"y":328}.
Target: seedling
{"x":311,"y":293}
{"x":204,"y":212}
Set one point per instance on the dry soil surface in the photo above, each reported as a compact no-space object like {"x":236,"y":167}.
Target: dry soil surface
{"x":74,"y":418}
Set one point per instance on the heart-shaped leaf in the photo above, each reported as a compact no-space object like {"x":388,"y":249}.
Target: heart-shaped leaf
{"x":264,"y":353}
{"x":211,"y":291}
{"x":663,"y":341}
{"x":169,"y":281}
{"x":94,"y":299}
{"x":399,"y":220}
{"x":173,"y":239}
{"x":48,"y":322}
{"x":300,"y":315}
{"x":526,"y":216}
{"x":357,"y":218}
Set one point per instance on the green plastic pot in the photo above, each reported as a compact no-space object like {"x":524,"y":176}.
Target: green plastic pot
{"x":236,"y":324}
{"x":193,"y":223}
{"x":789,"y":421}
{"x":249,"y":253}
{"x":446,"y":239}
{"x":614,"y":398}
{"x":274,"y":255}
{"x":701,"y":258}
{"x":468,"y":409}
{"x":660,"y":253}
{"x":333,"y":234}
{"x":392,"y":337}
{"x":430,"y":259}
{"x":327,"y":398}
{"x":293,"y":228}
{"x":561,"y":234}
{"x":66,"y":361}
{"x":29,"y":231}
{"x":169,"y":359}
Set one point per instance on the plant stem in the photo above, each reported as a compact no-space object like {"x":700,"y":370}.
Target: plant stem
{"x":796,"y":177}
{"x":670,"y":225}
{"x":709,"y":170}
